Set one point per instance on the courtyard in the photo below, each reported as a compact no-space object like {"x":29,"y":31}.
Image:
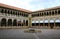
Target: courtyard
{"x":20,"y":34}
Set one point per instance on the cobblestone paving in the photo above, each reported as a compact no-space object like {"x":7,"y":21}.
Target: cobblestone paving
{"x":19,"y":34}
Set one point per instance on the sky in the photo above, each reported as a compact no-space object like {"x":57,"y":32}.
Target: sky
{"x":32,"y":5}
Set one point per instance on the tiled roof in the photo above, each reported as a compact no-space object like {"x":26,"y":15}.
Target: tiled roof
{"x":57,"y":7}
{"x":21,"y":9}
{"x":12,"y":7}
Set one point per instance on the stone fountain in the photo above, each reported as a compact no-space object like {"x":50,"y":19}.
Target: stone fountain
{"x":30,"y":29}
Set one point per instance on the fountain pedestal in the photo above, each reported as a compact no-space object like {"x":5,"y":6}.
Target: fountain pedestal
{"x":32,"y":30}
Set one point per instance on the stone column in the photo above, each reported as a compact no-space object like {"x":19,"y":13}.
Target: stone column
{"x":39,"y":22}
{"x":4,"y":11}
{"x":54,"y":19}
{"x":0,"y":9}
{"x":17,"y":13}
{"x":12,"y":22}
{"x":35,"y":22}
{"x":11,"y":12}
{"x":17,"y":22}
{"x":54,"y":12}
{"x":57,"y":12}
{"x":51,"y":13}
{"x":21,"y":22}
{"x":6,"y":22}
{"x":25,"y":23}
{"x":7,"y":12}
{"x":54,"y":22}
{"x":30,"y":23}
{"x":14,"y":12}
{"x":49,"y":23}
{"x":43,"y":19}
{"x":0,"y":20}
{"x":43,"y":23}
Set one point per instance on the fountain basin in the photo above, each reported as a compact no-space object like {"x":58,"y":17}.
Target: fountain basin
{"x":32,"y":30}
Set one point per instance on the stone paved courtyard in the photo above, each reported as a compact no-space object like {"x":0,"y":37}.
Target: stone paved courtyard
{"x":19,"y":34}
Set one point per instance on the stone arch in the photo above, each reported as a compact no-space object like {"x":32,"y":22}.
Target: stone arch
{"x":52,"y":23}
{"x":26,"y":22}
{"x":3,"y":22}
{"x":37,"y":22}
{"x":41,"y":22}
{"x":57,"y":22}
{"x":14,"y":22}
{"x":19,"y":23}
{"x":9,"y":22}
{"x":33,"y":22}
{"x":46,"y":22}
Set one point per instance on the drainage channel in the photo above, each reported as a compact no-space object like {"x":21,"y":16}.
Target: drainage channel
{"x":35,"y":36}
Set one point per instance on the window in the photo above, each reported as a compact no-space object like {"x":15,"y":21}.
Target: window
{"x":9,"y":11}
{"x":44,"y":13}
{"x":37,"y":14}
{"x":21,"y":14}
{"x":58,"y":11}
{"x":40,"y":14}
{"x":55,"y":12}
{"x":26,"y":15}
{"x":15,"y":12}
{"x":18,"y":13}
{"x":1,"y":10}
{"x":52,"y":12}
{"x":47,"y":13}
